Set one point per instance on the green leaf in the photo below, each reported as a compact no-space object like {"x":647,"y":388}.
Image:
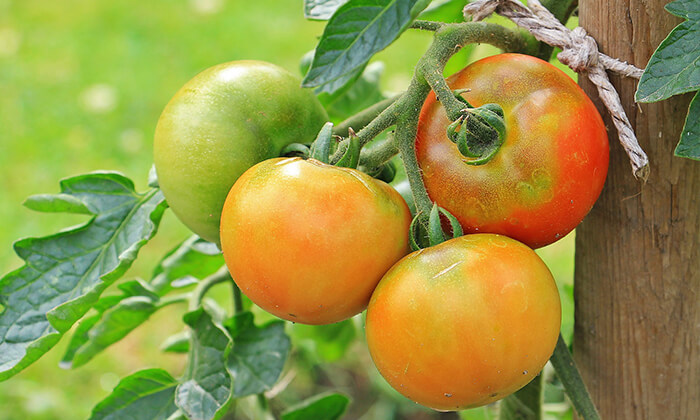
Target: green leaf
{"x":448,"y":11}
{"x":358,"y":30}
{"x":65,"y":273}
{"x":191,"y":261}
{"x":177,"y":343}
{"x":114,"y":325}
{"x":258,"y":354}
{"x":321,"y":9}
{"x":675,"y":65}
{"x":145,"y":395}
{"x":689,"y":146}
{"x":326,"y":406}
{"x":56,"y":203}
{"x":206,"y":390}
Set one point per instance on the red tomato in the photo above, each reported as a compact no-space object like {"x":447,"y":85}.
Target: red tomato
{"x":308,"y":242}
{"x":464,"y":323}
{"x":548,"y":173}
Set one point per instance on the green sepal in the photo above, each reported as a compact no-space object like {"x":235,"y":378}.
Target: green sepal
{"x":352,"y":155}
{"x":417,"y":235}
{"x":479,"y":134}
{"x":295,"y":150}
{"x":387,"y":172}
{"x":321,"y":147}
{"x":436,"y":234}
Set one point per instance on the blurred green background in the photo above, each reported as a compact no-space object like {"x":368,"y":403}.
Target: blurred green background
{"x":82,"y":84}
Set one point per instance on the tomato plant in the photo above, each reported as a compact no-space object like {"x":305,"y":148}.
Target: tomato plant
{"x":550,"y":169}
{"x":465,"y":322}
{"x":308,"y":242}
{"x":219,"y":124}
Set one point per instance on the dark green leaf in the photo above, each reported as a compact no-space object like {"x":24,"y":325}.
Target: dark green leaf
{"x":177,"y":343}
{"x":65,"y":273}
{"x":689,"y":146}
{"x":321,"y":9}
{"x":114,"y":325}
{"x":258,"y":354}
{"x":145,"y":395}
{"x":188,"y":263}
{"x":320,"y":407}
{"x":675,"y":65}
{"x":358,"y":30}
{"x":206,"y":390}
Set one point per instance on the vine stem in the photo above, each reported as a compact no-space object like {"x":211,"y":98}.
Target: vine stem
{"x":364,"y":117}
{"x":448,"y":39}
{"x":569,"y":375}
{"x":220,"y":276}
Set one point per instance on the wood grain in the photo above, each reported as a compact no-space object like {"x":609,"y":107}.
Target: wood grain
{"x":637,"y":275}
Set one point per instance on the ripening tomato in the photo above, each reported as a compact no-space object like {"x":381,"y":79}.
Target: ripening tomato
{"x":308,"y":242}
{"x":548,"y":173}
{"x":223,"y":121}
{"x":464,"y":323}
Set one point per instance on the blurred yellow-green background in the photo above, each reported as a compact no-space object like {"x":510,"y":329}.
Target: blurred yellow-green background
{"x":82,"y":83}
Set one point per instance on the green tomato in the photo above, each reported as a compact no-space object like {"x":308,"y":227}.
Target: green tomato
{"x":219,"y":124}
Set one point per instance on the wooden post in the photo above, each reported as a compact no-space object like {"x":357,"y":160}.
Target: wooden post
{"x":637,"y":276}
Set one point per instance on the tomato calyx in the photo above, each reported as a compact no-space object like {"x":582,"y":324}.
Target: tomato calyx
{"x":422,"y":237}
{"x":479,"y":132}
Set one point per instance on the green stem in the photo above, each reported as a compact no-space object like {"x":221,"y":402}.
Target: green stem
{"x":569,"y":375}
{"x":220,"y":276}
{"x":237,"y":298}
{"x":364,"y":117}
{"x":426,"y":25}
{"x":448,"y":40}
{"x":379,"y":154}
{"x":381,"y":122}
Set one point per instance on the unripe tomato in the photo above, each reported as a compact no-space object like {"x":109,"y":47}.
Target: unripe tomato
{"x":308,"y":242}
{"x":548,"y":173}
{"x":464,"y":323}
{"x":223,"y":121}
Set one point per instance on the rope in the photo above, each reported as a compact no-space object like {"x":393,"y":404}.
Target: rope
{"x":580,"y":52}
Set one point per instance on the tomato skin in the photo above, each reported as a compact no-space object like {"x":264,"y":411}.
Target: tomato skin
{"x":223,"y":121}
{"x":548,"y":173}
{"x":308,"y":242}
{"x":464,"y":323}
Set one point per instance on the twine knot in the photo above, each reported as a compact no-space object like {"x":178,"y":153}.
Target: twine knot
{"x":581,"y":53}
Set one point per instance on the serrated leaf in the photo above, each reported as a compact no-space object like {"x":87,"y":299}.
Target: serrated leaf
{"x":177,"y":343}
{"x":689,"y":146}
{"x":206,"y":390}
{"x":674,"y":67}
{"x":258,"y":355}
{"x":145,"y":395}
{"x":189,"y":262}
{"x":321,"y":9}
{"x":358,"y":30}
{"x":56,"y":203}
{"x":65,"y":273}
{"x":320,"y":407}
{"x":114,"y":325}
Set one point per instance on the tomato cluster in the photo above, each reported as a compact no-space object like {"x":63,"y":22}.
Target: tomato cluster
{"x":452,"y":326}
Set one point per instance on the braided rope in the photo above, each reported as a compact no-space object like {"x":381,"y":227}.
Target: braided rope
{"x":580,"y":52}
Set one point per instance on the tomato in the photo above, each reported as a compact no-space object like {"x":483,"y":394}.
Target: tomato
{"x":548,"y":173}
{"x":219,"y":124}
{"x":308,"y":242}
{"x":464,"y":323}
